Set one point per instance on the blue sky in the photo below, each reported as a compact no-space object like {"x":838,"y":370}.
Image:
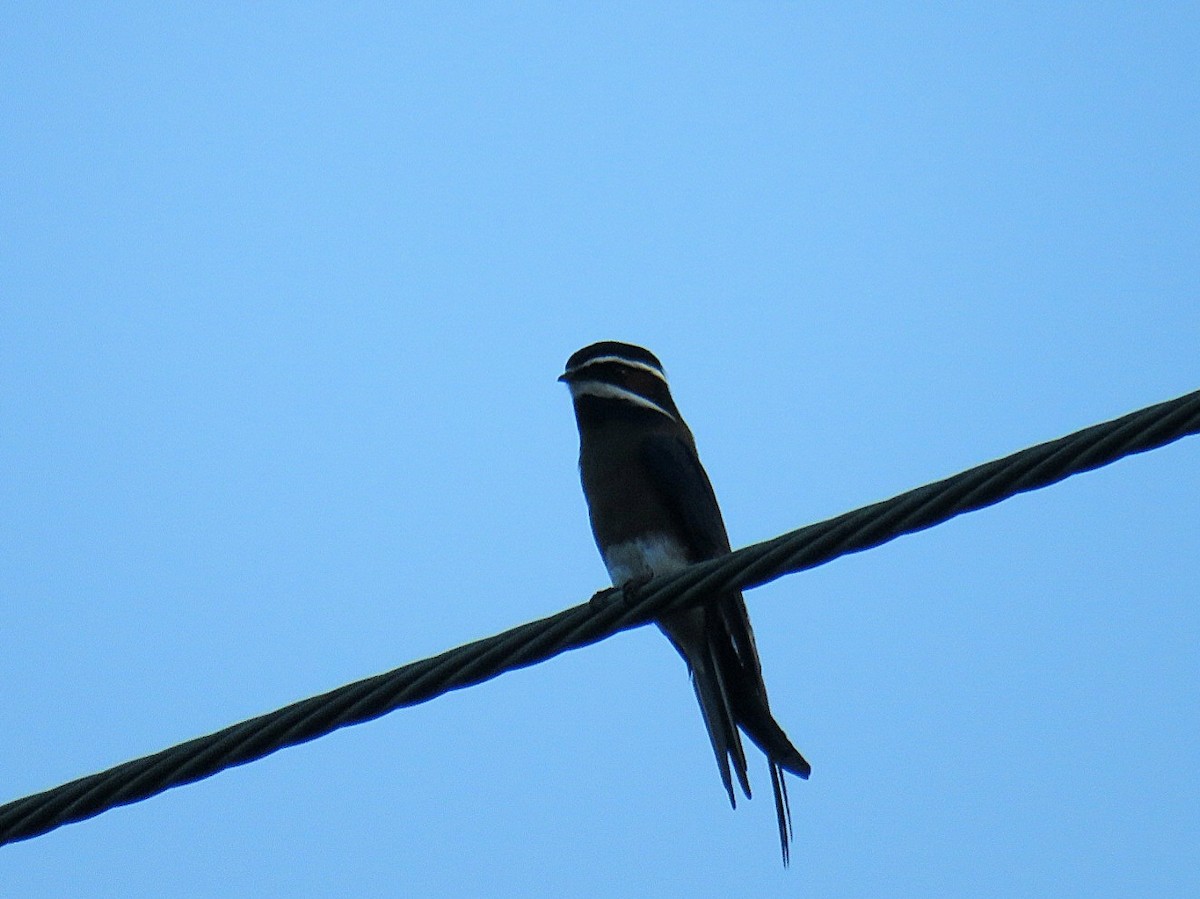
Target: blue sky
{"x":285,"y":292}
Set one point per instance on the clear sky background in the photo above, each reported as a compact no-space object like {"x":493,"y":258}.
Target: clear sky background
{"x":284,"y":289}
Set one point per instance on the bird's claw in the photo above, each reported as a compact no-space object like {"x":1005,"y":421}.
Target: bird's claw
{"x":601,"y":598}
{"x":630,"y":592}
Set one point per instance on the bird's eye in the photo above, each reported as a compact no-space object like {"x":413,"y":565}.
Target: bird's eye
{"x":641,"y":382}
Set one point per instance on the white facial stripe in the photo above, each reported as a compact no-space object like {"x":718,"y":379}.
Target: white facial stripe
{"x":612,"y":392}
{"x":630,"y":363}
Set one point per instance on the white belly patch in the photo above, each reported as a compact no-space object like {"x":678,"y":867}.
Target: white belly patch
{"x":659,"y":554}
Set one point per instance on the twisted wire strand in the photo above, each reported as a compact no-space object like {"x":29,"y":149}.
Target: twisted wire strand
{"x":581,"y":625}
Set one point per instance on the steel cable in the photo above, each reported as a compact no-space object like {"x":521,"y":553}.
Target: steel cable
{"x":607,"y":613}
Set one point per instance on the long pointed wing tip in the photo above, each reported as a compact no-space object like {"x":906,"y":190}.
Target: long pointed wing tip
{"x":800,"y":767}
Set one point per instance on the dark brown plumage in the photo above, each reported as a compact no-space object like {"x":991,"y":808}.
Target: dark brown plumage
{"x":652,"y":510}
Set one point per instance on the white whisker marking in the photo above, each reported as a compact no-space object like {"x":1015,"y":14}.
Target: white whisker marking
{"x":613,"y":392}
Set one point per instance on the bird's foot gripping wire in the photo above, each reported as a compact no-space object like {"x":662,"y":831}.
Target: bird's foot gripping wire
{"x":602,"y":598}
{"x":629,"y":592}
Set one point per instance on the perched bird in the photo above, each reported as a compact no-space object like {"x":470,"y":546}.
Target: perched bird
{"x":653,"y":511}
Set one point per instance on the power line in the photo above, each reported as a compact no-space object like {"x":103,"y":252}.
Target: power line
{"x":581,"y":625}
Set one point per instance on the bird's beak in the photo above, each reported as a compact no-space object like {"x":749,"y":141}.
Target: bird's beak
{"x":565,"y":377}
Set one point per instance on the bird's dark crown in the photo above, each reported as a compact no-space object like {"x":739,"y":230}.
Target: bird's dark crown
{"x":612,"y":349}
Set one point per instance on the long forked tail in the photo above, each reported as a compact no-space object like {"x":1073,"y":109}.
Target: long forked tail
{"x":732,"y":695}
{"x":727,"y":703}
{"x":748,"y":699}
{"x":729,"y":688}
{"x":783,"y":812}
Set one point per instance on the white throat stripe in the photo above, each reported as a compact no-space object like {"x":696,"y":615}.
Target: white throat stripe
{"x":629,"y":363}
{"x":612,"y":392}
